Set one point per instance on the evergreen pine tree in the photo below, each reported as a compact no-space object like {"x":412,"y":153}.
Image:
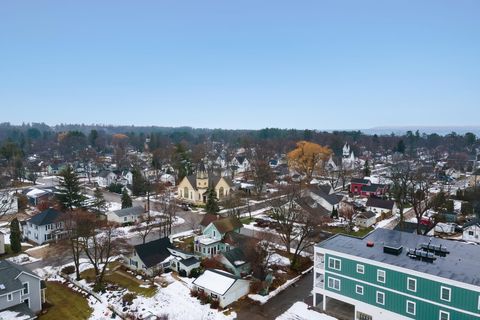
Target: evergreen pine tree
{"x":366,"y":169}
{"x":99,"y":203}
{"x":15,"y":236}
{"x":126,"y":200}
{"x":69,"y":192}
{"x":212,"y":202}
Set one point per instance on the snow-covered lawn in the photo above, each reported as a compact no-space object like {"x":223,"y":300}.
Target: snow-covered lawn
{"x":279,"y":260}
{"x":386,"y":222}
{"x":300,"y":311}
{"x":23,"y":258}
{"x":113,"y":206}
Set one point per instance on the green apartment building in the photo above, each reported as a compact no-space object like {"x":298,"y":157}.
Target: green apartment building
{"x":391,"y":275}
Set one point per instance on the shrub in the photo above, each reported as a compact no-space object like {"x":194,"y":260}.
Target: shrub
{"x":212,"y":263}
{"x":194,"y":293}
{"x":68,"y":269}
{"x":256,"y":286}
{"x":215,"y":304}
{"x":203,"y":297}
{"x":127,"y":298}
{"x":182,"y":273}
{"x":195,"y":273}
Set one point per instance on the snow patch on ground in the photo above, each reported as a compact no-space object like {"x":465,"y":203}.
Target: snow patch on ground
{"x":300,"y":311}
{"x":22,"y":259}
{"x":279,"y":260}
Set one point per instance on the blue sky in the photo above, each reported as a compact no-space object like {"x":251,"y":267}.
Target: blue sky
{"x":241,"y":64}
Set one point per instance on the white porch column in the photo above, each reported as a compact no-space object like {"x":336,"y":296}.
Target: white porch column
{"x":324,"y":302}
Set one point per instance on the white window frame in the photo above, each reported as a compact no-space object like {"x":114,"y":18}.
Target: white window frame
{"x":360,"y":292}
{"x":9,"y":297}
{"x":23,"y":288}
{"x":332,"y":261}
{"x":449,"y":293}
{"x":478,"y":306}
{"x":443,"y":313}
{"x":408,"y":284}
{"x":334,"y":280}
{"x":360,"y":268}
{"x":414,"y":307}
{"x":379,"y":271}
{"x":380,"y":293}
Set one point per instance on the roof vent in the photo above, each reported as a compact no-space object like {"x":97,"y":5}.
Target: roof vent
{"x":392,"y":249}
{"x":370,"y":244}
{"x":437,"y":250}
{"x":418,"y":254}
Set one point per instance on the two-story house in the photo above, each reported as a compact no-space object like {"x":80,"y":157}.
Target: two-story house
{"x":212,"y":241}
{"x":397,"y":275}
{"x":22,"y":292}
{"x":45,"y":226}
{"x":471,"y":231}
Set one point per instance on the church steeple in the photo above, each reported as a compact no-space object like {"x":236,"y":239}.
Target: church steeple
{"x":202,"y":176}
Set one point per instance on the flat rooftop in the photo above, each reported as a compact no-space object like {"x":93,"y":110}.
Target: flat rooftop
{"x":461,"y":264}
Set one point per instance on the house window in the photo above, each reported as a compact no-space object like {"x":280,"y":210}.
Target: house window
{"x":334,"y":264}
{"x":134,"y":263}
{"x":380,"y":297}
{"x":411,"y":306}
{"x":470,"y":233}
{"x":478,"y":307}
{"x":359,"y":289}
{"x":444,"y":315}
{"x":360,"y":268}
{"x":27,"y":302}
{"x":412,"y":284}
{"x":25,"y":288}
{"x":445,"y":293}
{"x":9,"y":297}
{"x":334,"y":283}
{"x":185,"y":192}
{"x":214,"y":296}
{"x":124,"y":219}
{"x":381,"y":276}
{"x":214,"y":233}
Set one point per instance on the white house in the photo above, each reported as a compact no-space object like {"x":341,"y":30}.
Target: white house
{"x":8,"y":203}
{"x":150,"y":258}
{"x":183,"y":262}
{"x":126,"y":215}
{"x":106,"y":178}
{"x":365,"y":219}
{"x":241,"y":163}
{"x":471,"y":231}
{"x":222,"y":286}
{"x":45,"y":226}
{"x":380,"y":206}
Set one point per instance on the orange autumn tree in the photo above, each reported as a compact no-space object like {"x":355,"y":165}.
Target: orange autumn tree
{"x":308,"y":158}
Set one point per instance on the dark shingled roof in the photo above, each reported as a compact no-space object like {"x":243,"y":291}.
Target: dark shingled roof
{"x":227,"y":224}
{"x":136,"y":211}
{"x":460,"y":264}
{"x":366,"y":215}
{"x":190,"y":261}
{"x":360,"y":181}
{"x":154,"y":252}
{"x":472,"y":223}
{"x":373,"y":187}
{"x":8,"y":273}
{"x":46,"y":217}
{"x":380,"y":203}
{"x":233,"y":255}
{"x":209,"y":218}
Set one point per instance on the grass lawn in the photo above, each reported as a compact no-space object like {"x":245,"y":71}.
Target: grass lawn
{"x":247,"y":220}
{"x":360,"y":233}
{"x":186,"y":244}
{"x":122,"y":279}
{"x":66,"y":303}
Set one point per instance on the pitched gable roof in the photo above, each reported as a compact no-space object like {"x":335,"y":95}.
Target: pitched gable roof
{"x":227,"y":224}
{"x":46,"y":217}
{"x":380,"y":203}
{"x":209,"y":218}
{"x":236,"y":257}
{"x":472,"y":223}
{"x":154,"y":252}
{"x":359,"y":181}
{"x":136,"y":211}
{"x":366,"y":215}
{"x":9,"y":272}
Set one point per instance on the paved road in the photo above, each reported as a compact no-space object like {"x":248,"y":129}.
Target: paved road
{"x":277,"y":305}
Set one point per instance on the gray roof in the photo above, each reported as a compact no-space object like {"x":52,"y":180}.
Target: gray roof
{"x":8,"y":273}
{"x":190,"y":261}
{"x":461,"y":264}
{"x":366,"y":215}
{"x":45,"y":217}
{"x":380,"y":203}
{"x":472,"y":223}
{"x":136,"y":211}
{"x":235,"y":254}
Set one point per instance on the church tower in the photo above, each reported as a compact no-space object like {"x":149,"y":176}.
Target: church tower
{"x":202,"y":176}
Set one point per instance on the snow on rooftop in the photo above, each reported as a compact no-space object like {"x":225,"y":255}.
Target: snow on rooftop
{"x":214,"y":281}
{"x":36,"y":192}
{"x":300,"y":311}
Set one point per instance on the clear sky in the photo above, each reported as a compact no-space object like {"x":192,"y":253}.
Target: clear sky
{"x":241,"y":64}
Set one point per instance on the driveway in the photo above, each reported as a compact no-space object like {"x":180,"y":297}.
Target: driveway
{"x":277,"y":305}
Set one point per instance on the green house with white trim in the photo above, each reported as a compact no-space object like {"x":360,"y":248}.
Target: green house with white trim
{"x":393,"y":275}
